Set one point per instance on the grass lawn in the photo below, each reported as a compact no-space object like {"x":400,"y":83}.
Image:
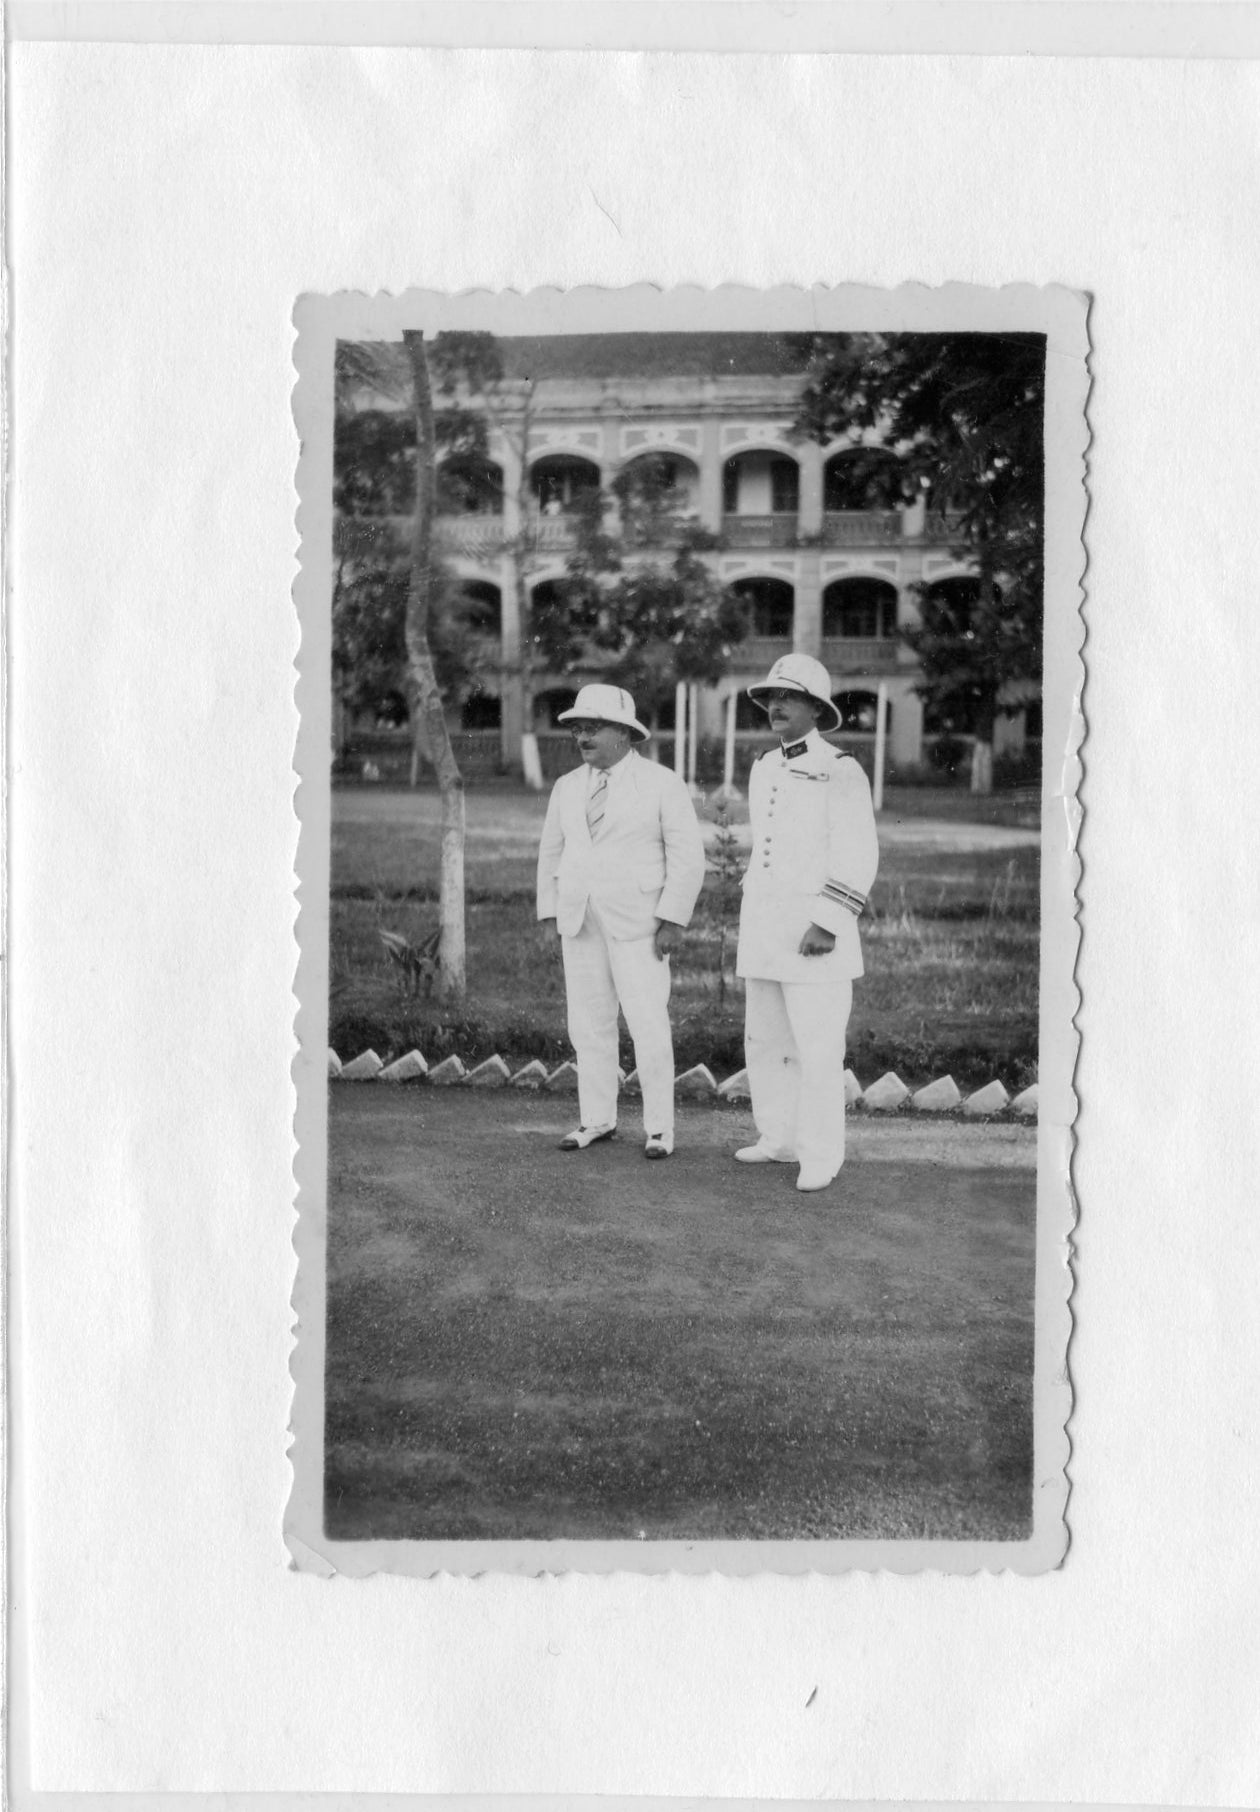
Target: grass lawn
{"x":525,"y":1344}
{"x":951,"y":941}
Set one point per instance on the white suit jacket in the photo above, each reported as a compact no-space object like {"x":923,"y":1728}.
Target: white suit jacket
{"x":814,"y":856}
{"x":647,"y":863}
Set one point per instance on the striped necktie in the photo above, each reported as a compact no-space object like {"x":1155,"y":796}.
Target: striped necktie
{"x":595,"y":804}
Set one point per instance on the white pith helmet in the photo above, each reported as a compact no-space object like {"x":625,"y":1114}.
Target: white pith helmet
{"x":800,"y":673}
{"x":611,"y":705}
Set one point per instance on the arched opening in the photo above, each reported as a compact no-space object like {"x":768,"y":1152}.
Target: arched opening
{"x":760,"y":499}
{"x":546,"y":598}
{"x":548,"y":705}
{"x":862,"y":478}
{"x":481,"y":712}
{"x":859,"y":607}
{"x":770,"y":603}
{"x":468,"y":485}
{"x":561,"y":481}
{"x":663,"y":480}
{"x":481,"y":606}
{"x":654,"y":493}
{"x":858,"y":712}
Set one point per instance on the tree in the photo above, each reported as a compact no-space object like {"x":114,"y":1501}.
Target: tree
{"x":965,"y":412}
{"x":389,"y":587}
{"x":422,"y":590}
{"x":638,"y":601}
{"x":480,"y":399}
{"x":374,"y":498}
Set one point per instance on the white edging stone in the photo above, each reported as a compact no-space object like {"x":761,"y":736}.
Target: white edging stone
{"x":886,"y":1094}
{"x":736,"y":1087}
{"x":534,"y":1075}
{"x":990,"y":1099}
{"x":450,"y":1070}
{"x":562,"y":1081}
{"x":334,"y":1064}
{"x":696,"y":1083}
{"x":937,"y":1097}
{"x":411,"y":1068}
{"x":1026,"y":1103}
{"x":852,"y":1089}
{"x":493,"y":1073}
{"x":365,"y":1068}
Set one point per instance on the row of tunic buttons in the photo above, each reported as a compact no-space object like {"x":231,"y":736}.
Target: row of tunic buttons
{"x":773,"y":790}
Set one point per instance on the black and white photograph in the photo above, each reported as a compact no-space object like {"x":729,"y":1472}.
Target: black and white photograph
{"x":688,"y":870}
{"x":630,"y":666}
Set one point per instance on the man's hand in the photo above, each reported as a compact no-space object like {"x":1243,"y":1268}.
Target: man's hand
{"x":817,"y":942}
{"x":667,"y":937}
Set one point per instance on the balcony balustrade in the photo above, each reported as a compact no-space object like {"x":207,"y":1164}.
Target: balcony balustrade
{"x":482,"y":537}
{"x":861,"y":528}
{"x":475,"y":537}
{"x":847,"y":654}
{"x":762,"y":650}
{"x":778,"y":530}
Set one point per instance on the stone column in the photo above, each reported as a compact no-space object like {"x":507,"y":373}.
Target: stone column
{"x":710,"y":499}
{"x":906,"y":741}
{"x":807,"y":619}
{"x":810,"y":518}
{"x":511,"y":692}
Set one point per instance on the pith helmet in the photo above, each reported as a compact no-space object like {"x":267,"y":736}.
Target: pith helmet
{"x":611,"y":705}
{"x":800,"y":673}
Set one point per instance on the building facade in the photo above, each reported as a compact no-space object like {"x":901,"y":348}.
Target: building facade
{"x":817,"y":539}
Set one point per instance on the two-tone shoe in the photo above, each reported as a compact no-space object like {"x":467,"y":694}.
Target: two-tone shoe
{"x":659,"y":1145}
{"x":582,"y":1136}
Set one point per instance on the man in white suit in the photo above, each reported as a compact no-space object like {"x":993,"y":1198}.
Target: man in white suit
{"x":814,"y":856}
{"x":619,"y":871}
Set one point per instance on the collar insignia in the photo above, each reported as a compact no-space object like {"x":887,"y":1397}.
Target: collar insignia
{"x":792,"y":749}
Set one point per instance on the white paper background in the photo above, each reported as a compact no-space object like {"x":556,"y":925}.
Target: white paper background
{"x":168,"y":206}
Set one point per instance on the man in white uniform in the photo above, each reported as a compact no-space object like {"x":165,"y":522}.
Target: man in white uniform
{"x":814,"y":856}
{"x":619,"y":871}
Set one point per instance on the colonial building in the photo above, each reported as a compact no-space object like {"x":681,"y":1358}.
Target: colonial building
{"x":816,"y":538}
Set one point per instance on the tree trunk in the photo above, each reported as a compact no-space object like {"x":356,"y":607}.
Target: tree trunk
{"x":522,"y":561}
{"x":452,"y":979}
{"x":982,"y":750}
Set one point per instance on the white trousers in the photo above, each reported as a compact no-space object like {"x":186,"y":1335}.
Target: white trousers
{"x":600,"y":974}
{"x":794,"y":1047}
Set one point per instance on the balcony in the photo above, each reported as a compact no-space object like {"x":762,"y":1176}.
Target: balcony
{"x":762,"y":651}
{"x":473,"y":537}
{"x":778,"y":530}
{"x":942,"y":525}
{"x":482,"y":537}
{"x":861,"y":528}
{"x":843,"y":655}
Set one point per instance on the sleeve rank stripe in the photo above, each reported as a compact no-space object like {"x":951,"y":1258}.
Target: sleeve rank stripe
{"x":848,"y":897}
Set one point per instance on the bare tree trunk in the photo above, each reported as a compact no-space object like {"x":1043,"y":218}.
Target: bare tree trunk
{"x":522,"y":561}
{"x":452,"y":980}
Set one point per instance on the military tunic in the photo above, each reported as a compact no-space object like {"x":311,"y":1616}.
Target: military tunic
{"x":814,"y":857}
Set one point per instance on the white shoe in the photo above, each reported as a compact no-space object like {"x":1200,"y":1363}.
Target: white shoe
{"x":760,"y":1153}
{"x":659,"y":1145}
{"x":814,"y":1176}
{"x":582,"y":1136}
